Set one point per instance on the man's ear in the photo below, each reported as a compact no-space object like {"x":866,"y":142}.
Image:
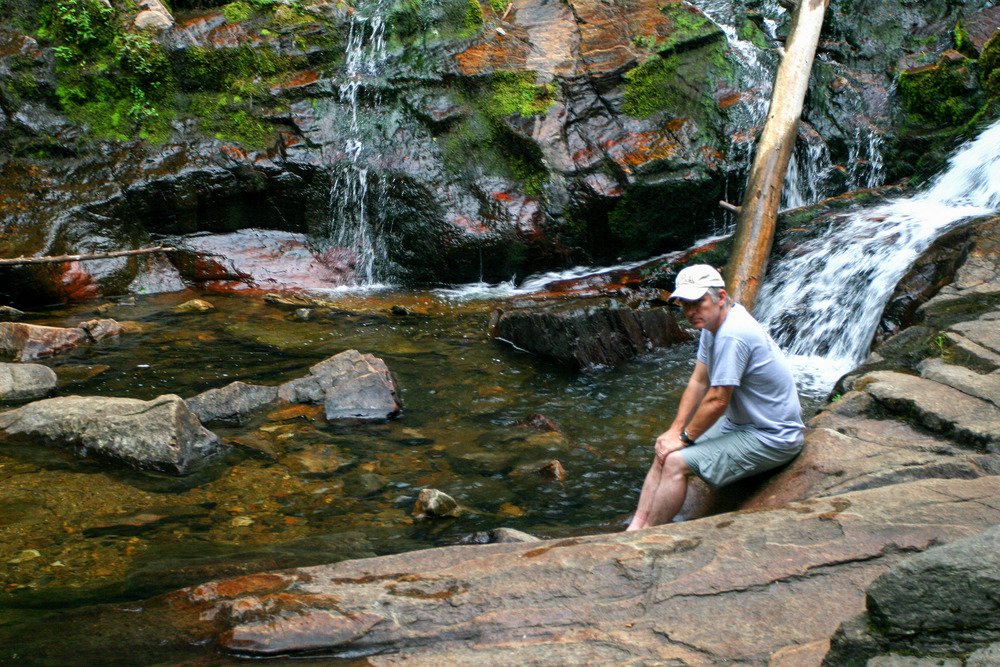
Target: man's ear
{"x":723,"y":294}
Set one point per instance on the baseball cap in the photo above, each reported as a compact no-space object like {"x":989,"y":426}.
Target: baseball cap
{"x":693,"y":282}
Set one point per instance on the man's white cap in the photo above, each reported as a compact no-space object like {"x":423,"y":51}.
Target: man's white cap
{"x":694,"y":281}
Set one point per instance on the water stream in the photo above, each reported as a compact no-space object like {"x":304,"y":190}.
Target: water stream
{"x":824,"y":303}
{"x":350,"y":230}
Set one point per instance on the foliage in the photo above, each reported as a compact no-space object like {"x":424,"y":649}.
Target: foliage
{"x":80,"y":26}
{"x":432,"y":20}
{"x":498,"y":6}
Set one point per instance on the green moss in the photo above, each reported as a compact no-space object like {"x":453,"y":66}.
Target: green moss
{"x":483,"y":142}
{"x":516,"y":93}
{"x":691,"y":29}
{"x":938,"y":94}
{"x":962,"y":42}
{"x":473,"y":16}
{"x":649,"y":87}
{"x":989,"y":66}
{"x":238,"y":11}
{"x":498,"y":6}
{"x":228,"y":118}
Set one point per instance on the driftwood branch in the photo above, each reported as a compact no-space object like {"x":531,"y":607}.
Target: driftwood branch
{"x":732,"y":208}
{"x":55,"y":259}
{"x":507,"y":11}
{"x":759,"y":211}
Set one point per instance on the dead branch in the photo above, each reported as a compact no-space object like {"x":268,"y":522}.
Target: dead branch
{"x":55,"y":259}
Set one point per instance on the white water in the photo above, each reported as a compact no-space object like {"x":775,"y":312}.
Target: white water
{"x":350,"y":225}
{"x":823,"y":304}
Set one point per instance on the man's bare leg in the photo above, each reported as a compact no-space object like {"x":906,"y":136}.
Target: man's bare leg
{"x":662,"y":493}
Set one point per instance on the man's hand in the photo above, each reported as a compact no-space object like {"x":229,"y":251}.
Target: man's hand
{"x":668,"y":442}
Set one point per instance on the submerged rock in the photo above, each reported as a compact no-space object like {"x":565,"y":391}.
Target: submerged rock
{"x":161,"y":434}
{"x":19,"y":382}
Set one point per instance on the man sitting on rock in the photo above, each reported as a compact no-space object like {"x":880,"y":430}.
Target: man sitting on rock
{"x":739,"y":414}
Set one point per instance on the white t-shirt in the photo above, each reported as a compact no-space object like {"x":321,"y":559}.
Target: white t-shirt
{"x":765,"y":402}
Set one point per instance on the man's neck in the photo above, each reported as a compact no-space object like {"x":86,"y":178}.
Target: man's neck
{"x":725,"y":313}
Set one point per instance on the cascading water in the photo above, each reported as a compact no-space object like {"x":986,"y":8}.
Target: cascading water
{"x":350,"y":230}
{"x":810,"y":164}
{"x":823,"y":304}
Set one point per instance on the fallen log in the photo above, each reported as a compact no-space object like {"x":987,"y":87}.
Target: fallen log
{"x":758,"y":213}
{"x":55,"y":259}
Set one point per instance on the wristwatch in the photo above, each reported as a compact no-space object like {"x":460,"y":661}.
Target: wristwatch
{"x":685,"y":438}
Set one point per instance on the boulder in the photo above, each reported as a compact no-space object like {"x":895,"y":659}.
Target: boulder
{"x":942,"y":602}
{"x":588,"y":336}
{"x":498,"y":536}
{"x":752,"y":588}
{"x":234,"y":402}
{"x":20,"y":382}
{"x":350,"y":385}
{"x":154,"y":15}
{"x":27,"y":342}
{"x":434,"y":502}
{"x":161,"y":434}
{"x":193,"y":306}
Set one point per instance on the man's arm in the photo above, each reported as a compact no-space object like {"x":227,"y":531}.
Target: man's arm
{"x":694,"y":393}
{"x":711,"y":408}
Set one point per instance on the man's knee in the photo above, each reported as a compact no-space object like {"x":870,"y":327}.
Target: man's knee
{"x":675,"y":466}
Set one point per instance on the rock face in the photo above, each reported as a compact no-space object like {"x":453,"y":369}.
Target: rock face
{"x":942,"y":602}
{"x":21,"y":382}
{"x":350,"y":385}
{"x":578,"y":131}
{"x":754,"y":588}
{"x":161,"y":434}
{"x":588,"y":336}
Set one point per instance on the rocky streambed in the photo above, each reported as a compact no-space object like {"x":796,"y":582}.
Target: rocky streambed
{"x":902,"y":461}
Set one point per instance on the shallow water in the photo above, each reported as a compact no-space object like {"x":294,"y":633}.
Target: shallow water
{"x":295,"y":490}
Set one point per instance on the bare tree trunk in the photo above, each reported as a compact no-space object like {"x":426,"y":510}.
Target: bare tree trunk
{"x":758,"y":213}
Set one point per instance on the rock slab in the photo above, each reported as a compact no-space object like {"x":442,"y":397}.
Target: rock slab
{"x":161,"y":434}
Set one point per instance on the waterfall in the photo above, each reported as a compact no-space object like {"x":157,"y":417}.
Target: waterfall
{"x":810,"y":164}
{"x":350,"y":234}
{"x":823,"y":303}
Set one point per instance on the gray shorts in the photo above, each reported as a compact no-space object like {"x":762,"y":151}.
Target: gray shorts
{"x":721,"y":459}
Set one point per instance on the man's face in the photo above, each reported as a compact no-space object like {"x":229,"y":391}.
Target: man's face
{"x":705,"y":313}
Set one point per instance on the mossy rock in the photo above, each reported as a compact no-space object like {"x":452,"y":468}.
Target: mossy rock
{"x":946,"y":93}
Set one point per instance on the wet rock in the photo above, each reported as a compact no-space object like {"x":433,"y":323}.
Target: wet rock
{"x":350,"y":385}
{"x":27,"y":342}
{"x":19,"y":382}
{"x":498,"y":536}
{"x":938,"y":603}
{"x":974,"y":30}
{"x":193,"y":306}
{"x":161,"y":434}
{"x":235,"y":402}
{"x":553,"y":470}
{"x":539,"y":422}
{"x":433,"y":502}
{"x":8,"y":314}
{"x":588,"y":336}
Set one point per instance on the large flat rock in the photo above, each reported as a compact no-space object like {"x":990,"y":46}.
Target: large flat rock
{"x":747,"y":588}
